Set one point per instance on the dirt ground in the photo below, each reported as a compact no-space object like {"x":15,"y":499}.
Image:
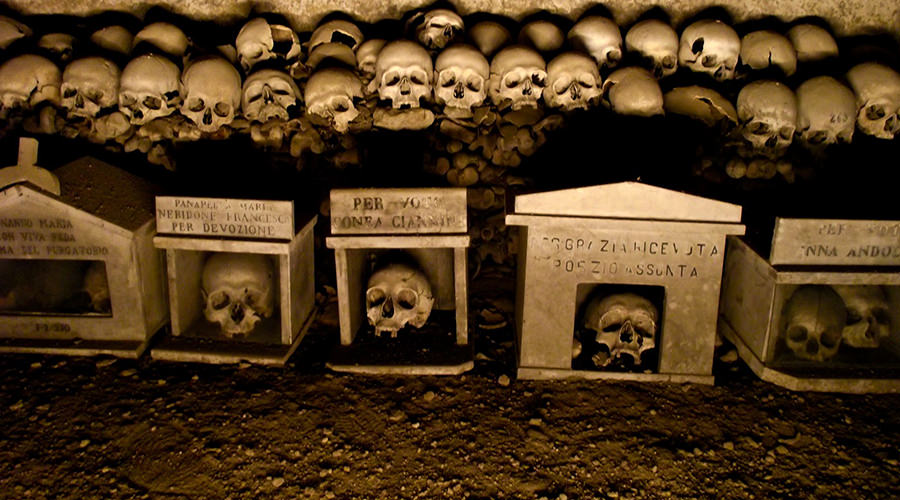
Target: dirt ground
{"x":102,"y":428}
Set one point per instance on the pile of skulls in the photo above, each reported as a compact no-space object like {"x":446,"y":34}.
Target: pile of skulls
{"x":489,"y":92}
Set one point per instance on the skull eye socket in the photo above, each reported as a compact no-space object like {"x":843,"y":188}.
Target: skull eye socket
{"x":759,"y":128}
{"x":128,"y":100}
{"x":447,"y":79}
{"x":831,"y":338}
{"x":222,"y":109}
{"x":853,"y":316}
{"x":539,"y":79}
{"x":561,"y":85}
{"x":254,"y":52}
{"x":195,"y":105}
{"x":612,"y":321}
{"x":511,"y":81}
{"x":418,"y":77}
{"x":817,"y":137}
{"x":644,"y":325}
{"x":669,"y":61}
{"x":875,"y":112}
{"x":252,"y":297}
{"x":152,"y":102}
{"x":786,"y":132}
{"x":407,"y":298}
{"x":172,"y":96}
{"x":474,"y":84}
{"x":219,"y":300}
{"x":281,"y":91}
{"x":392,"y":78}
{"x":708,"y":61}
{"x":797,"y":333}
{"x":94,"y":95}
{"x":69,"y":93}
{"x":375,"y":297}
{"x":586,"y":80}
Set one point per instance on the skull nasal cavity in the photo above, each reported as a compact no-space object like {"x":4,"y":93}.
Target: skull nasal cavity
{"x":697,"y":47}
{"x":237,"y":313}
{"x":627,"y":334}
{"x":812,"y":346}
{"x":387,"y":310}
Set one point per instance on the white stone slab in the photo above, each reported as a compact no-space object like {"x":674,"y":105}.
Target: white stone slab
{"x":836,"y":242}
{"x":225,"y":218}
{"x":398,"y":211}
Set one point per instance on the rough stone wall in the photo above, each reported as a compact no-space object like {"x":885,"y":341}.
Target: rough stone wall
{"x":847,"y":17}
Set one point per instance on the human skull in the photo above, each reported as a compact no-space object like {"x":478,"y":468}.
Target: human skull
{"x":813,"y":321}
{"x":657,"y":43}
{"x":212,"y":93}
{"x":767,"y":111}
{"x":573,"y":82}
{"x":164,"y":36}
{"x":367,"y":55}
{"x":96,"y":286}
{"x":710,"y":46}
{"x":518,"y":74}
{"x":877,"y":89}
{"x":60,"y":46}
{"x":26,"y":81}
{"x":398,"y":295}
{"x":12,"y":31}
{"x":268,"y":94}
{"x":439,"y":27}
{"x":763,"y":49}
{"x":150,"y":88}
{"x":826,"y":112}
{"x":260,"y":41}
{"x":626,"y":323}
{"x":544,"y":36}
{"x":868,"y":318}
{"x":238,"y":291}
{"x":461,"y":74}
{"x":600,"y":37}
{"x":113,"y":38}
{"x":812,"y":43}
{"x":89,"y":85}
{"x":489,"y":37}
{"x":702,"y":104}
{"x":336,"y":31}
{"x":403,"y":74}
{"x":633,"y":91}
{"x":332,"y":94}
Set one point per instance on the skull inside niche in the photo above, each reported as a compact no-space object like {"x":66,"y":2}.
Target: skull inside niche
{"x":868,"y":315}
{"x":814,"y":318}
{"x":238,"y":291}
{"x":633,"y":91}
{"x":877,"y":89}
{"x":764,"y":49}
{"x":403,"y":73}
{"x":710,"y":46}
{"x":150,"y":88}
{"x":826,"y":112}
{"x":518,"y":75}
{"x":212,"y":93}
{"x":600,"y":37}
{"x":336,"y":31}
{"x":812,"y":43}
{"x":367,"y":55}
{"x":657,"y":43}
{"x":573,"y":82}
{"x":625,"y":323}
{"x":89,"y":85}
{"x":260,"y":41}
{"x":398,"y":295}
{"x":767,"y":111}
{"x":269,"y":94}
{"x":461,"y":76}
{"x":332,"y":94}
{"x":26,"y":81}
{"x":438,"y":28}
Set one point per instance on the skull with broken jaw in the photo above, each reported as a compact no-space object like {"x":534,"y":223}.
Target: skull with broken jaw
{"x":26,"y":81}
{"x":269,"y":94}
{"x":332,"y":94}
{"x":89,"y":85}
{"x":398,"y":295}
{"x":625,"y":323}
{"x":403,"y":73}
{"x":149,"y":88}
{"x":767,"y":111}
{"x":212,"y":93}
{"x":710,"y":46}
{"x":461,"y":75}
{"x":868,"y":315}
{"x":518,"y":76}
{"x":877,"y":89}
{"x":813,"y":322}
{"x":238,"y":291}
{"x":573,"y":82}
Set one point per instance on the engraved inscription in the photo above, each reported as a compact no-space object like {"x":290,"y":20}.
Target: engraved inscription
{"x":398,"y":211}
{"x":225,"y":217}
{"x":852,"y":242}
{"x":44,"y":237}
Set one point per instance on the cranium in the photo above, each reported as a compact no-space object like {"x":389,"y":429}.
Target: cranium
{"x":710,"y":46}
{"x":367,"y":55}
{"x":212,"y":93}
{"x":11,"y":31}
{"x":403,"y":74}
{"x":877,"y":89}
{"x":26,"y":81}
{"x":96,"y":286}
{"x":544,"y":36}
{"x":439,"y":27}
{"x":398,"y":295}
{"x":268,"y":94}
{"x":657,"y":43}
{"x":60,"y":46}
{"x":633,"y":91}
{"x":89,"y":85}
{"x":260,"y":41}
{"x":336,"y":31}
{"x":332,"y":94}
{"x":868,"y":319}
{"x":702,"y":104}
{"x":573,"y":82}
{"x":826,"y":112}
{"x":626,"y":323}
{"x":518,"y":74}
{"x":461,"y":74}
{"x":812,"y":43}
{"x":813,"y":320}
{"x":767,"y":112}
{"x":164,"y":36}
{"x":600,"y":37}
{"x":489,"y":37}
{"x":150,"y":88}
{"x":113,"y":38}
{"x":238,"y":291}
{"x":764,"y":49}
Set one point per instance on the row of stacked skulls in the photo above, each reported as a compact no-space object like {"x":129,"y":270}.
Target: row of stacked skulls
{"x":492,"y":89}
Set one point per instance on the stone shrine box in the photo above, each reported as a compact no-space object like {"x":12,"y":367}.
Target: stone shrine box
{"x":823,"y":312}
{"x":79,"y":274}
{"x":400,"y":258}
{"x":241,"y":280}
{"x":619,"y":281}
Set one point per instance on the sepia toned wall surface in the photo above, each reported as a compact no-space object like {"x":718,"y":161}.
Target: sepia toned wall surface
{"x":847,"y":17}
